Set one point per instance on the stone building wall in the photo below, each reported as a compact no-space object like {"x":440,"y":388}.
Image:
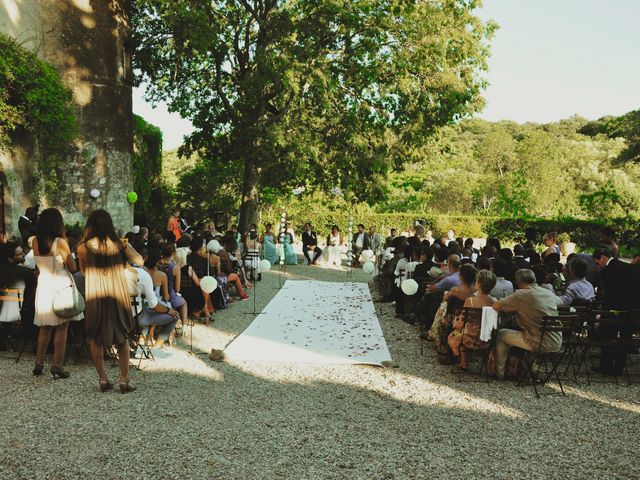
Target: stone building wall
{"x":88,"y":41}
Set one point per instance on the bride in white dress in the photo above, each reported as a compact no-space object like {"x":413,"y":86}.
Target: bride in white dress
{"x":334,"y":247}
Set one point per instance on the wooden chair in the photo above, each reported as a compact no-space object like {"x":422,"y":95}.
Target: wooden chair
{"x":10,"y":315}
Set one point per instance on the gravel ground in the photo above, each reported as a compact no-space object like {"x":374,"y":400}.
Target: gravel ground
{"x":200,"y":419}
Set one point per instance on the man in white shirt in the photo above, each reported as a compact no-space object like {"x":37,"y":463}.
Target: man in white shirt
{"x":148,"y":311}
{"x":360,"y":243}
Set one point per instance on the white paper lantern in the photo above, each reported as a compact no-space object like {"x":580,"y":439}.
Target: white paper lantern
{"x":265,"y":265}
{"x":368,"y":267}
{"x":208,"y":284}
{"x":95,"y":193}
{"x":409,"y":287}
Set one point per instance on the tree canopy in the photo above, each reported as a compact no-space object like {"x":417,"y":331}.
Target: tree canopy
{"x":329,"y":93}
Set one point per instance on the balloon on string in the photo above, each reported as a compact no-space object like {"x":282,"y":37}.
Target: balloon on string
{"x":95,"y":193}
{"x":368,"y":267}
{"x":132,"y":197}
{"x":214,"y":246}
{"x":208,"y":284}
{"x":265,"y":265}
{"x":409,"y":287}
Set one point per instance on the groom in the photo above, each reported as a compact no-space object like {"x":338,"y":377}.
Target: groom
{"x":310,"y":244}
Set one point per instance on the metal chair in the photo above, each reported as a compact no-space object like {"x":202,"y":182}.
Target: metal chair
{"x":548,"y":362}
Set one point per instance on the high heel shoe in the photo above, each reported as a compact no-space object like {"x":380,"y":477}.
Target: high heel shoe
{"x":58,"y":372}
{"x":107,"y":385}
{"x":37,"y":370}
{"x":126,"y":387}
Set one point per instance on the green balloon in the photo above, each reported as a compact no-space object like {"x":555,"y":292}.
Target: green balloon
{"x":132,"y":197}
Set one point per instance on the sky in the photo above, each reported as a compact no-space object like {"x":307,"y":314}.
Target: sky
{"x":550,"y":59}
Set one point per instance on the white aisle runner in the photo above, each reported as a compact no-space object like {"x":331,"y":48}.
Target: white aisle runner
{"x":315,"y":322}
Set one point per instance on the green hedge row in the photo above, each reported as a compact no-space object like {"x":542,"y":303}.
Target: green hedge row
{"x":466,"y":226}
{"x":584,"y":233}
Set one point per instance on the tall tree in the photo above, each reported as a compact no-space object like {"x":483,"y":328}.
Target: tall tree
{"x":327,"y":92}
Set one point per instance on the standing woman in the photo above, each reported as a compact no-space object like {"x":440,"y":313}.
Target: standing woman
{"x":108,"y":305}
{"x":173,"y":225}
{"x":49,"y":241}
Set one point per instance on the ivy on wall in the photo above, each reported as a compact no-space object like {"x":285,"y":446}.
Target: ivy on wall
{"x":34,"y":100}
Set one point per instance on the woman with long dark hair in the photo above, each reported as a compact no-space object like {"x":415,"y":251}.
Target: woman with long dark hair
{"x":108,"y":305}
{"x":51,"y":252}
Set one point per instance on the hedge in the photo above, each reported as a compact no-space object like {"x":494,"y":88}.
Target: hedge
{"x":584,"y":233}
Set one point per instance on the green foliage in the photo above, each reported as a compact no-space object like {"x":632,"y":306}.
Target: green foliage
{"x":34,"y":100}
{"x":147,"y":170}
{"x":585,"y":233}
{"x":306,"y":92}
{"x":507,"y":169}
{"x":625,"y":126}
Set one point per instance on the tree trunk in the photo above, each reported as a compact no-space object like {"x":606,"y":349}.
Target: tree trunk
{"x":249,"y":206}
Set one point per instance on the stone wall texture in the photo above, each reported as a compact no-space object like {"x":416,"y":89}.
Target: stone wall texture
{"x":89,"y":42}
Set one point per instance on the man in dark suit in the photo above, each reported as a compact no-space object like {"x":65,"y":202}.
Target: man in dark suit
{"x":27,"y":224}
{"x":360,"y":242}
{"x":519,"y":261}
{"x":621,"y":292}
{"x":310,"y":244}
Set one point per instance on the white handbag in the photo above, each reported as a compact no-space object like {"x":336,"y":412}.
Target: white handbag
{"x":67,"y":300}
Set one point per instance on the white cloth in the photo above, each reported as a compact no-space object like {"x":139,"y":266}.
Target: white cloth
{"x":315,"y":322}
{"x":147,"y":297}
{"x":489,"y":323}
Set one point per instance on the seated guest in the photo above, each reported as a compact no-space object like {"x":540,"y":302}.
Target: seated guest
{"x":453,"y":248}
{"x":550,"y":241}
{"x":484,"y":264}
{"x":518,"y":257}
{"x":421,"y":272}
{"x":579,"y":289}
{"x":608,"y":237}
{"x":334,"y":247}
{"x":542,"y":277}
{"x":428,"y":306}
{"x":14,"y":275}
{"x":154,"y":312}
{"x":503,"y":286}
{"x":360,"y":242}
{"x":269,"y":243}
{"x":172,"y":271}
{"x":389,"y":240}
{"x":27,"y":224}
{"x":593,"y":275}
{"x":621,"y":292}
{"x":310,"y":244}
{"x":386,"y":277}
{"x":490,"y":252}
{"x":227,"y":269}
{"x":464,"y":339}
{"x":465,"y":258}
{"x":457,"y":295}
{"x":468,"y":243}
{"x":530,"y":303}
{"x":189,"y":287}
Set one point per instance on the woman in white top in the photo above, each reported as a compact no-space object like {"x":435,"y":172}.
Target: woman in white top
{"x":50,"y":240}
{"x":334,"y":247}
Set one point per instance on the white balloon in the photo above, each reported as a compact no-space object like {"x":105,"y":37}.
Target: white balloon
{"x":265,"y":265}
{"x":95,"y":193}
{"x":367,"y":256}
{"x":409,"y":287}
{"x":214,"y":246}
{"x":208,"y":284}
{"x":368,"y":267}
